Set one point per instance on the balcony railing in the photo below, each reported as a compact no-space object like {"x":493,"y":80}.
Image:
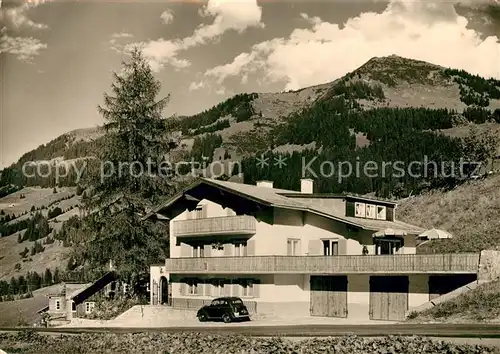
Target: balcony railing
{"x":241,"y":224}
{"x":384,"y":264}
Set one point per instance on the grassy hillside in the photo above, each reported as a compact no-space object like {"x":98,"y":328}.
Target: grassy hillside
{"x":53,"y":256}
{"x":470,"y":212}
{"x":480,"y":304}
{"x":23,"y":200}
{"x":22,"y":207}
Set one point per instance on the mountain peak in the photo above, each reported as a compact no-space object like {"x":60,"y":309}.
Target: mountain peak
{"x":397,"y":60}
{"x":393,"y":69}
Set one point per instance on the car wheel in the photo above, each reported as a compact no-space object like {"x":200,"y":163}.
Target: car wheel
{"x":226,"y":318}
{"x":202,"y":317}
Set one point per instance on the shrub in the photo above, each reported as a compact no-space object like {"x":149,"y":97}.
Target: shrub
{"x":54,"y":212}
{"x":24,"y":253}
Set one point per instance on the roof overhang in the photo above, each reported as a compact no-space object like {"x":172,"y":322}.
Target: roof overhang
{"x":242,"y":203}
{"x":93,"y":288}
{"x":300,"y":195}
{"x":43,"y":309}
{"x":201,"y":189}
{"x":390,"y":232}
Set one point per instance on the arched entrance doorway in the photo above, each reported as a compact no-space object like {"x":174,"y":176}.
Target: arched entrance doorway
{"x":164,"y":291}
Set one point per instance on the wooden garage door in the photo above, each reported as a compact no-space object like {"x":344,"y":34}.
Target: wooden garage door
{"x":443,"y":284}
{"x":329,"y":296}
{"x":388,"y":298}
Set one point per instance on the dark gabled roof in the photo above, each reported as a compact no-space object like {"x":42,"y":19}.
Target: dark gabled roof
{"x":83,"y":294}
{"x":278,"y":198}
{"x":257,"y":194}
{"x":43,"y":309}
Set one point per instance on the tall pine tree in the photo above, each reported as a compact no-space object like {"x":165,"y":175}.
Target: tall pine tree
{"x":135,"y":140}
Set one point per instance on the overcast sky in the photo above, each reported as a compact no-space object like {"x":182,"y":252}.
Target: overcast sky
{"x":57,"y":56}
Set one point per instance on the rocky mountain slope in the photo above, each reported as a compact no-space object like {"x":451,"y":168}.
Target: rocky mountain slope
{"x":243,"y":121}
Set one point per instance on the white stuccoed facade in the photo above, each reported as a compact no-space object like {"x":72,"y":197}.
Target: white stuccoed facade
{"x":211,"y":236}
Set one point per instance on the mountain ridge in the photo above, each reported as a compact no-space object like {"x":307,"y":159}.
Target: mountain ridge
{"x":388,"y":104}
{"x":405,"y":83}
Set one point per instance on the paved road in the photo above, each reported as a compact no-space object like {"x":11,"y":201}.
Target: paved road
{"x":432,"y":330}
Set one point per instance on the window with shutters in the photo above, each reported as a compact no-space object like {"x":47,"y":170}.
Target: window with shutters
{"x":246,"y":286}
{"x":330,"y":247}
{"x":293,"y":247}
{"x":388,"y":245}
{"x":198,"y":251}
{"x":218,"y":287}
{"x":240,"y":249}
{"x":89,"y":307}
{"x":192,"y":287}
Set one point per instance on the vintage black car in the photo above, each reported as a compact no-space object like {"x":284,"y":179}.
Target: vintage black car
{"x":227,"y":309}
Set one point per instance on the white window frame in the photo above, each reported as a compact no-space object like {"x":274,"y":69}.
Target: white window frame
{"x":362,"y":210}
{"x":373,"y":209}
{"x":58,"y":305}
{"x":240,"y":249}
{"x":192,"y":287}
{"x":330,"y":241}
{"x":218,"y":287}
{"x":198,"y":251}
{"x":382,"y":209}
{"x":397,"y":246}
{"x":294,"y":249}
{"x":89,"y":307}
{"x":246,"y":287}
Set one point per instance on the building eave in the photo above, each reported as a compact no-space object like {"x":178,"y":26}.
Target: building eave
{"x":288,"y":203}
{"x":182,"y":194}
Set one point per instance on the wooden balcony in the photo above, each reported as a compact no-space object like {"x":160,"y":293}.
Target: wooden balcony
{"x":383,"y":264}
{"x":240,"y":224}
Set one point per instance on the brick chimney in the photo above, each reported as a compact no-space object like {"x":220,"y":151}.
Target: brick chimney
{"x":265,"y":184}
{"x":306,"y":186}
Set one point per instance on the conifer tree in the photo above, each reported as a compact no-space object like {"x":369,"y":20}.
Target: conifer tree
{"x":47,"y":278}
{"x":136,"y":139}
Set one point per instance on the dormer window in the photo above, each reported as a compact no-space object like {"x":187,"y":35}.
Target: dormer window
{"x":381,"y":212}
{"x":370,"y":211}
{"x":369,"y":208}
{"x":359,"y":210}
